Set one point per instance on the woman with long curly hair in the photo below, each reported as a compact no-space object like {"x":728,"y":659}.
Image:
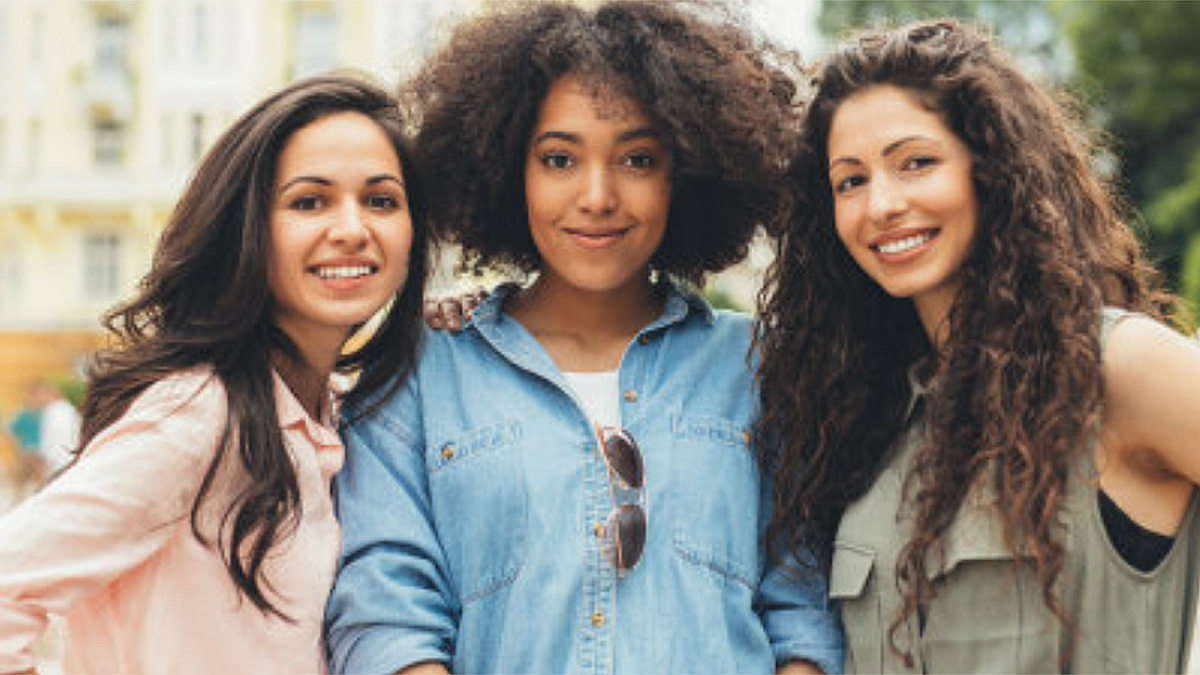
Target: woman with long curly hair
{"x":568,"y":484}
{"x":194,"y":531}
{"x":988,"y":434}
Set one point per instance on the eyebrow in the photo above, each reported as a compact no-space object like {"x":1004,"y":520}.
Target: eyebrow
{"x":887,"y":150}
{"x":630,"y":135}
{"x":373,"y":180}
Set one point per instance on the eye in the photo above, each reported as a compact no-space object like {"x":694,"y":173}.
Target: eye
{"x":306,"y":203}
{"x":848,"y":183}
{"x":918,"y":162}
{"x":557,"y":160}
{"x":639,"y":160}
{"x":383,"y":202}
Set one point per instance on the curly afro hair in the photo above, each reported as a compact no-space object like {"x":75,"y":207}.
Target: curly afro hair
{"x":724,"y":99}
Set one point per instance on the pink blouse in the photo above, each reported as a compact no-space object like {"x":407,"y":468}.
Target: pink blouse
{"x":109,"y":545}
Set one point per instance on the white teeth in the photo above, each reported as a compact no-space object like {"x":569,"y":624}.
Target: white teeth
{"x":905,"y":244}
{"x":347,"y":272}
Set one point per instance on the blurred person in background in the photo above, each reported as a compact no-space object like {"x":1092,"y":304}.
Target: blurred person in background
{"x":25,"y":428}
{"x":58,"y":428}
{"x":194,"y":532}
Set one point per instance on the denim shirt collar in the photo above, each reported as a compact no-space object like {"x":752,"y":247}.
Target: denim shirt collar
{"x":510,"y":339}
{"x":678,"y":305}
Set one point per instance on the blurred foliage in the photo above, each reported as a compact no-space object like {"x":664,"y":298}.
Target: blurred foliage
{"x":1137,"y":65}
{"x":720,"y":299}
{"x":73,"y":389}
{"x":1028,"y":27}
{"x":1139,"y":62}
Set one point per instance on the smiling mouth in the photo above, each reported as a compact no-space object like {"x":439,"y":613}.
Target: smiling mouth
{"x":345,"y":271}
{"x":597,"y":238}
{"x":904,"y":245}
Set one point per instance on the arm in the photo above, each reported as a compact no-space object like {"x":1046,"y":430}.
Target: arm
{"x":392,"y":605}
{"x":1151,"y":427}
{"x":107,"y":514}
{"x":804,"y":628}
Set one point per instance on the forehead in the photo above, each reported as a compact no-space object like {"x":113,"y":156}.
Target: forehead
{"x":880,"y":115}
{"x":574,"y":98}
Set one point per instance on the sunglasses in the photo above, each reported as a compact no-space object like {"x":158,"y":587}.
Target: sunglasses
{"x":625,"y":527}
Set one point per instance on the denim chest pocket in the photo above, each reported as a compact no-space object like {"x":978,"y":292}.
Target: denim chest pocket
{"x":715,"y":497}
{"x":480,"y":506}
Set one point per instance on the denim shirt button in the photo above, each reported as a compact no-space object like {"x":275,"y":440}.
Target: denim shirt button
{"x":598,"y":530}
{"x":631,"y":395}
{"x":644,"y":339}
{"x":597,"y":619}
{"x":448,"y":452}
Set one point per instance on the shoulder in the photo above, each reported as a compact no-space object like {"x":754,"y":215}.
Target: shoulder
{"x":1139,"y":351}
{"x":1152,"y":394}
{"x":196,"y":392}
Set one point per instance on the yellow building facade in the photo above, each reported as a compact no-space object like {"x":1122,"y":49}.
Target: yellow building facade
{"x":106,"y":107}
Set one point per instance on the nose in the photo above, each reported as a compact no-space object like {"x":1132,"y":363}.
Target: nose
{"x":598,"y":193}
{"x":349,"y":227}
{"x":886,"y":198}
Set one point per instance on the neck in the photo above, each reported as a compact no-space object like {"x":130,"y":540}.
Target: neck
{"x":933,"y":310}
{"x":307,"y":377}
{"x":585,"y":331}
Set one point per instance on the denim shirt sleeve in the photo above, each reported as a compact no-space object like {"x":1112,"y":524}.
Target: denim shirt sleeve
{"x":390,"y":605}
{"x":800,"y":620}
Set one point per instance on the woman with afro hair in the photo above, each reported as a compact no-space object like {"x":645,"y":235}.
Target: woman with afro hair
{"x":988,"y":436}
{"x":570,"y":483}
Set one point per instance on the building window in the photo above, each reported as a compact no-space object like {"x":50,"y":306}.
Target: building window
{"x":201,"y":40}
{"x":168,"y":142}
{"x":34,"y":145}
{"x":316,"y":40}
{"x":11,"y":271}
{"x":108,"y":144}
{"x":101,"y":265}
{"x":197,"y":133}
{"x":112,"y":44}
{"x":37,"y":35}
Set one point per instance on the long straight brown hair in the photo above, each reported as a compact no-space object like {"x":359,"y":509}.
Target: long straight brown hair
{"x":206,"y":301}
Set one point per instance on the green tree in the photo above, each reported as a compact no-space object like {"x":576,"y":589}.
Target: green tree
{"x":1140,"y":64}
{"x":1028,"y":27}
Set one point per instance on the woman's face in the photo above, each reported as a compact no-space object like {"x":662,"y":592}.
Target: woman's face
{"x":597,"y":187}
{"x":904,"y":203}
{"x":340,"y":229}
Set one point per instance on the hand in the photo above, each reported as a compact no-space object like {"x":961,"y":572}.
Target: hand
{"x":450,"y":312}
{"x":798,"y":668}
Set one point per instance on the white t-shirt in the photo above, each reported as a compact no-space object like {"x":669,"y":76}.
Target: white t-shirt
{"x":600,"y":395}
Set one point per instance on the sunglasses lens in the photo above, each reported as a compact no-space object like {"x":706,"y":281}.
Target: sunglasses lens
{"x":624,"y":457}
{"x":627,"y":528}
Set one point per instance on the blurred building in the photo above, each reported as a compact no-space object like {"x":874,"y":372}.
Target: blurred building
{"x":107,"y":105}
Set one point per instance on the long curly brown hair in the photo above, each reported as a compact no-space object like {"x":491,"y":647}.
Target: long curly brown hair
{"x":724,"y":99}
{"x":1019,"y":386}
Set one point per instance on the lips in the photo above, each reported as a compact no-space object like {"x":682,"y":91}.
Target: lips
{"x":600,"y":237}
{"x":899,"y":246}
{"x":339,"y":274}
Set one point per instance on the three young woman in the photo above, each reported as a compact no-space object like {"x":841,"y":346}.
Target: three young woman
{"x":987,"y":433}
{"x":569,"y":484}
{"x":195,"y":530}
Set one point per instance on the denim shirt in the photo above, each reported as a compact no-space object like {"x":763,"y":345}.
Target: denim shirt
{"x":470,"y":505}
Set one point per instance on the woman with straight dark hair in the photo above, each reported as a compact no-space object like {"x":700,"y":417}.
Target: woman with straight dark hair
{"x":988,"y":433}
{"x":569,"y":484}
{"x":194,"y":532}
